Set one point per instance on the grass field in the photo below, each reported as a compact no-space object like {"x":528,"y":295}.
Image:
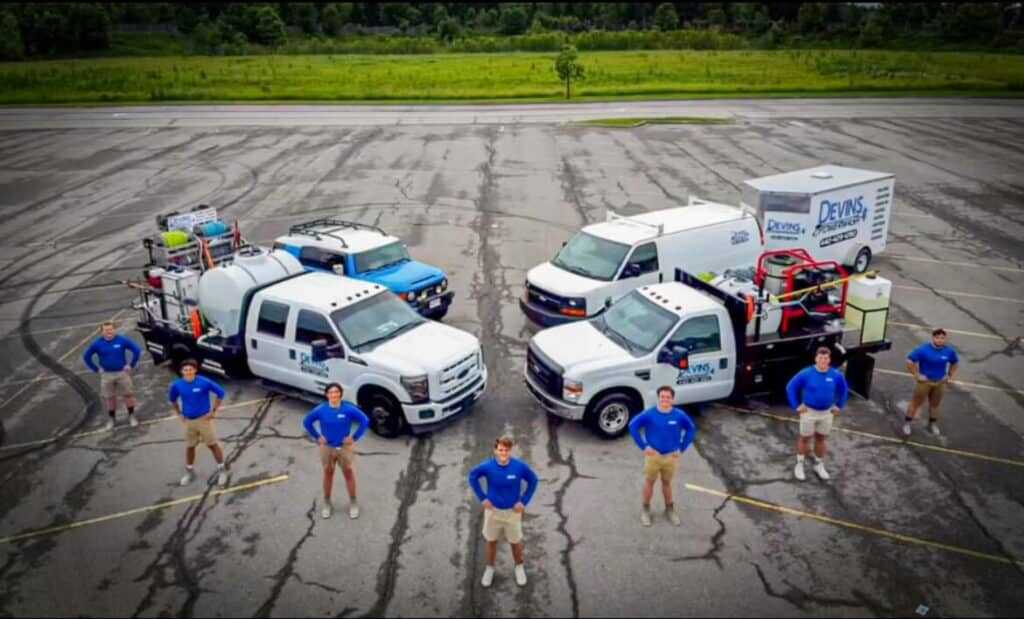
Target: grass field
{"x":508,"y":77}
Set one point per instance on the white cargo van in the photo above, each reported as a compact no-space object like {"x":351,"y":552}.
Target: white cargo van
{"x":835,"y":213}
{"x":604,"y":261}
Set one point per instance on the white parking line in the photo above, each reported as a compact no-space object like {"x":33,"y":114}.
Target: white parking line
{"x":972,"y":265}
{"x":955,"y":293}
{"x":958,"y":382}
{"x":988,"y":336}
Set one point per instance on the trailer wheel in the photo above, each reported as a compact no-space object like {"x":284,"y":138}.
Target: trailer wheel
{"x":862,"y":261}
{"x":610,"y":417}
{"x":386,"y":417}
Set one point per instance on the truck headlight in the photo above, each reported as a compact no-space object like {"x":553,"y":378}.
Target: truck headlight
{"x":572,"y":390}
{"x":444,"y":284}
{"x":417,"y":387}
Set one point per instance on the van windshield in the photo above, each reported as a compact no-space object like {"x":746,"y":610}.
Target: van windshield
{"x":636,"y":322}
{"x":374,"y":320}
{"x":385,"y":256}
{"x":591,"y":257}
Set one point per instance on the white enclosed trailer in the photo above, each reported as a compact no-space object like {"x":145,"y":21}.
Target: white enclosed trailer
{"x":835,"y":213}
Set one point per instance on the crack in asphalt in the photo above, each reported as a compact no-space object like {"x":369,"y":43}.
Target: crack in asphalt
{"x":420,"y":472}
{"x":555,"y":458}
{"x":800,"y":599}
{"x":287,"y":570}
{"x":717,"y":542}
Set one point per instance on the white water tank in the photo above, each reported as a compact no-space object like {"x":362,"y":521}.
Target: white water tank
{"x":743,"y":287}
{"x":222,"y":289}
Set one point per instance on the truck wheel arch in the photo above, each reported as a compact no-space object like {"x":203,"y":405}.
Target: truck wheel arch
{"x":630,"y":393}
{"x":366,"y":397}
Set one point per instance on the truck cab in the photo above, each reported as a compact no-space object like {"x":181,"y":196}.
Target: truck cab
{"x":604,"y":261}
{"x":606,"y":369}
{"x":369,"y":254}
{"x":402,"y":369}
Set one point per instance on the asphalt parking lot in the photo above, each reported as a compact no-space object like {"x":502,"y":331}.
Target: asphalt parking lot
{"x":93,"y":523}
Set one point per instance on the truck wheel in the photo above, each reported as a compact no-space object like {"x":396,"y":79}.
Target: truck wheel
{"x":862,"y":261}
{"x":609,"y":418}
{"x":386,"y":416}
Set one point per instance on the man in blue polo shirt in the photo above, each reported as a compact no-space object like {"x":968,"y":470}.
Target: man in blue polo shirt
{"x":114,"y":370}
{"x":663,"y":432}
{"x":197,"y":417}
{"x":933,"y":365}
{"x":337,"y":442}
{"x":504,"y":503}
{"x":817,"y":394}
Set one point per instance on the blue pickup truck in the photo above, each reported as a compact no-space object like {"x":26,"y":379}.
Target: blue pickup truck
{"x":368,"y":253}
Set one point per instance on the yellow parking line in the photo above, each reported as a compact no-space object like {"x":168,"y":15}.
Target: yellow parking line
{"x":959,"y":383}
{"x":907,"y":325}
{"x":139,"y":510}
{"x":890,"y":439}
{"x":899,"y":537}
{"x":54,"y":439}
{"x":954,"y":293}
{"x":972,"y":265}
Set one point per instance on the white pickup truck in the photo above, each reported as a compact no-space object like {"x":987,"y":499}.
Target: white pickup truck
{"x":696,"y":337}
{"x":264,"y":315}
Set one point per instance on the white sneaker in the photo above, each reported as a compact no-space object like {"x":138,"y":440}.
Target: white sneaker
{"x":109,"y":427}
{"x":222,"y":478}
{"x":327,"y":510}
{"x":906,"y":429}
{"x":353,"y":511}
{"x":187,"y":478}
{"x":934,"y":428}
{"x":488,"y":577}
{"x":645,"y":517}
{"x":798,"y":471}
{"x":819,"y":469}
{"x":132,"y":421}
{"x":520,"y":575}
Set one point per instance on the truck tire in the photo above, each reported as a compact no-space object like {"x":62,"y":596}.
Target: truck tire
{"x":386,"y":416}
{"x":862,"y":261}
{"x":609,"y":418}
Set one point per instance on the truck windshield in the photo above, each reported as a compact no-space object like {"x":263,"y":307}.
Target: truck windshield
{"x":637,"y":320}
{"x":381,"y":257}
{"x":375,"y":320}
{"x":591,"y":257}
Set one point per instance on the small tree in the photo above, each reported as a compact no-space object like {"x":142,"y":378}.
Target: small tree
{"x":811,"y":18}
{"x":449,"y":30}
{"x":665,"y":17}
{"x":568,"y":68}
{"x":334,"y":17}
{"x":514,"y":20}
{"x":439,"y":15}
{"x":267,"y":26}
{"x":11,"y":47}
{"x":91,"y":25}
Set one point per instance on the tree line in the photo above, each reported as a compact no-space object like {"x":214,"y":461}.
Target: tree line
{"x":39,"y":30}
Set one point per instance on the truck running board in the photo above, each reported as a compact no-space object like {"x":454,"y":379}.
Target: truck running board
{"x":291,"y":392}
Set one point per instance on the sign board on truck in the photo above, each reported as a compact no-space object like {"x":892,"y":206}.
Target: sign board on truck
{"x":188,"y":221}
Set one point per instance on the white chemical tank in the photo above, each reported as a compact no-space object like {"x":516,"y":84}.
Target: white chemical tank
{"x":222,"y":289}
{"x":867,"y":306}
{"x":743,"y":287}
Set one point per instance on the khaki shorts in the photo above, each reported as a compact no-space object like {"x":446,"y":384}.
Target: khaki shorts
{"x":200,"y":431}
{"x":664,"y":466}
{"x":344,"y":456}
{"x":928,"y":390}
{"x":503,"y":522}
{"x":815,"y":422}
{"x":113,"y":382}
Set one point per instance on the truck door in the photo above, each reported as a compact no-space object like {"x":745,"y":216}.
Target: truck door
{"x":712,"y":360}
{"x":309,"y":375}
{"x":266,"y":345}
{"x":639,"y":269}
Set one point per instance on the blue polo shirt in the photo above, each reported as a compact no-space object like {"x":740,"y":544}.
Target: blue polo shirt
{"x":195,"y":395}
{"x":934,"y":362}
{"x":504,"y":483}
{"x":818,"y":390}
{"x":666,"y":432}
{"x":336,"y":423}
{"x":113,"y":354}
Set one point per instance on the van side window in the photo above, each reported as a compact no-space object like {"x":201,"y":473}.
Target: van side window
{"x":698,"y":335}
{"x":311,"y":326}
{"x":645,"y":257}
{"x":273,"y":318}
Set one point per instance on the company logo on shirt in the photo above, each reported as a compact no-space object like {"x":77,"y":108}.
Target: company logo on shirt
{"x":834,"y":215}
{"x":117,"y":345}
{"x":510,"y":477}
{"x":196,"y":390}
{"x":673,"y":423}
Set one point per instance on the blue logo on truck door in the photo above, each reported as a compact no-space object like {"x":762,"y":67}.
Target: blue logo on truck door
{"x":696,"y":373}
{"x":835,"y":215}
{"x":308,"y":366}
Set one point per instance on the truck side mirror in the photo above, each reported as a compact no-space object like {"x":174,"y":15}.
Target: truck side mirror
{"x":676,"y":356}
{"x":319,"y":351}
{"x":631,"y":270}
{"x":607,"y":302}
